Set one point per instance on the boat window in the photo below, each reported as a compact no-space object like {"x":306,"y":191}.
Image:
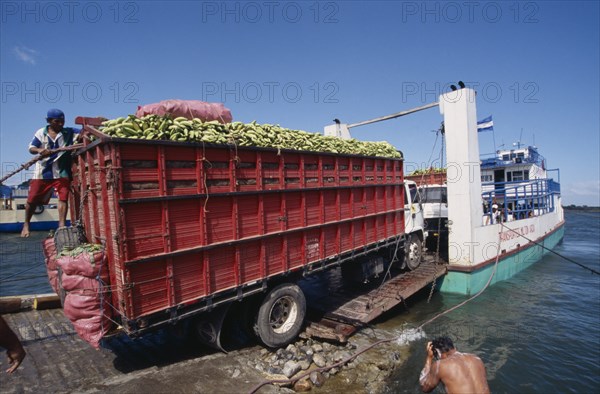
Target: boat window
{"x":515,"y":176}
{"x":506,"y":157}
{"x":434,"y":194}
{"x":487,"y":178}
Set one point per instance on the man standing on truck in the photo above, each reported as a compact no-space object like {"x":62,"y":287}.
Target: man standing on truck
{"x":53,"y":171}
{"x":460,"y":372}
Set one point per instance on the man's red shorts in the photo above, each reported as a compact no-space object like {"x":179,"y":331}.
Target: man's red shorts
{"x":40,"y":190}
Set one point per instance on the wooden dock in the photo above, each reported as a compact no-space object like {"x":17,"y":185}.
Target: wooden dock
{"x":59,"y":361}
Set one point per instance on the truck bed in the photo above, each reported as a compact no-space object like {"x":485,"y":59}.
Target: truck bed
{"x":189,"y":226}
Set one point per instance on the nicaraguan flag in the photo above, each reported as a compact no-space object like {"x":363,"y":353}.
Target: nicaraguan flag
{"x":486,"y":124}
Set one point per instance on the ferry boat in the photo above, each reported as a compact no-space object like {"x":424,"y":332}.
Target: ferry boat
{"x":515,"y":183}
{"x":504,"y":212}
{"x":12,"y":212}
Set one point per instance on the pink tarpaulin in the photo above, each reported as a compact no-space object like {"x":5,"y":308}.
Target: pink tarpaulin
{"x":187,"y":108}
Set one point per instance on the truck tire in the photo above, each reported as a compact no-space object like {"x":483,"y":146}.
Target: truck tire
{"x":281,"y":315}
{"x":414,"y":252}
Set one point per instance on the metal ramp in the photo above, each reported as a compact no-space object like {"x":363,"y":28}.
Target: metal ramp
{"x":344,"y":310}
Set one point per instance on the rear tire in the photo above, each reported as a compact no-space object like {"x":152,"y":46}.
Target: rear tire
{"x":281,"y":315}
{"x":414,"y":252}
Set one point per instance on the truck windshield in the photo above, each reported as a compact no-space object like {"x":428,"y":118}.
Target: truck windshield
{"x":434,"y":194}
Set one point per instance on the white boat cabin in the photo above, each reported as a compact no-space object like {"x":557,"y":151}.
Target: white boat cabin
{"x":517,"y":182}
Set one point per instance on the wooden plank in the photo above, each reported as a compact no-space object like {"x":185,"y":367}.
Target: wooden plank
{"x":344,"y":306}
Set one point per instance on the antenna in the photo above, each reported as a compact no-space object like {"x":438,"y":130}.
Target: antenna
{"x":520,"y":138}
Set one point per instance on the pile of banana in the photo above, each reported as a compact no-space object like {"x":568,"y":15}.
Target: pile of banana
{"x":155,"y":127}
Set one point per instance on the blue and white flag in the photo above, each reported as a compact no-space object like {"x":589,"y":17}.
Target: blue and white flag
{"x":486,"y":124}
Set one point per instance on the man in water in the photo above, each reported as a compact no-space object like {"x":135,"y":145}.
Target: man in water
{"x":459,"y":372}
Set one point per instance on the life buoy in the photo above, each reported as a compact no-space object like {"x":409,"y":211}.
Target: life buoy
{"x":38,"y":209}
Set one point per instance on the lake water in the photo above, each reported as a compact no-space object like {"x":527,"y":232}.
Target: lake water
{"x":538,"y":332}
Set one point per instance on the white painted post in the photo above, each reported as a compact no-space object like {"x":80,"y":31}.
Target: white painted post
{"x":463,"y":174}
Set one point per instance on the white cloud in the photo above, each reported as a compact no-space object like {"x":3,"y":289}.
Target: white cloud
{"x":26,"y":55}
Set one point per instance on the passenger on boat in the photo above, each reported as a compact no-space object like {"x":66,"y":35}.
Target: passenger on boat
{"x":53,"y":171}
{"x":496,"y":215}
{"x":14,"y":348}
{"x":459,"y":372}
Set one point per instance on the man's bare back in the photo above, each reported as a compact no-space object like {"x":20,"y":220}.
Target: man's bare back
{"x":459,"y":372}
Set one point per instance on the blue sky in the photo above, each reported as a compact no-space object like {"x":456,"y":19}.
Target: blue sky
{"x":535,"y":66}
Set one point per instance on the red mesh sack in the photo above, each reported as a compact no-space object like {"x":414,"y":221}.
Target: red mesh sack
{"x":89,"y":312}
{"x":49,"y":249}
{"x":84,"y":264}
{"x":92,"y":329}
{"x":187,"y":108}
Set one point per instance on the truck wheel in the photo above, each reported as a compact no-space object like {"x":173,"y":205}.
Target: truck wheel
{"x":414,"y":252}
{"x":281,"y":315}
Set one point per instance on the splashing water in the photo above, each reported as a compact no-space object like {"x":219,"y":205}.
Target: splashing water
{"x":408,"y":335}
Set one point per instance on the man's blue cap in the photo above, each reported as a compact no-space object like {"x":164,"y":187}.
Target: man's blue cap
{"x":55,"y":114}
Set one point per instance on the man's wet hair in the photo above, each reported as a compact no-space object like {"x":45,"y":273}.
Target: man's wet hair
{"x":443,"y":344}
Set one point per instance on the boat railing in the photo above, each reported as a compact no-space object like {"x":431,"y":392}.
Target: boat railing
{"x":520,"y":199}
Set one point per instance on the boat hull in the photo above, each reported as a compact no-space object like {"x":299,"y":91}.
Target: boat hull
{"x":470,"y":282}
{"x":11,"y":220}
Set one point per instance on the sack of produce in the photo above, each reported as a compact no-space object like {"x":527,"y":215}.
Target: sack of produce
{"x":85,"y":260}
{"x":51,"y":266}
{"x":87,"y":302}
{"x":189,"y":109}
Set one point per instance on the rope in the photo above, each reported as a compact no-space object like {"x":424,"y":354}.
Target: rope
{"x":593,"y":271}
{"x":5,"y":279}
{"x":353,"y":356}
{"x":38,"y":158}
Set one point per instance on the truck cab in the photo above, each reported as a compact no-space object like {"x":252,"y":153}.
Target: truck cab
{"x":434,"y":201}
{"x":414,"y":226}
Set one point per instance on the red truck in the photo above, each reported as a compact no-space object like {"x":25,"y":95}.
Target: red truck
{"x":191,"y":228}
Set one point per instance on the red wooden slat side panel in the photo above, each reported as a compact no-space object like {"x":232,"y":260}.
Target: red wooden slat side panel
{"x":188,"y":276}
{"x":331,"y":246}
{"x":144,"y":236}
{"x":218,"y":219}
{"x":330,"y":206}
{"x":295,"y":215}
{"x":249,"y":220}
{"x":273,"y":253}
{"x":250,"y":262}
{"x":184,"y":224}
{"x":276,"y":212}
{"x":222,"y":274}
{"x":149,"y":287}
{"x":272,"y":213}
{"x":313,"y":209}
{"x":294,"y":250}
{"x":346,"y":236}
